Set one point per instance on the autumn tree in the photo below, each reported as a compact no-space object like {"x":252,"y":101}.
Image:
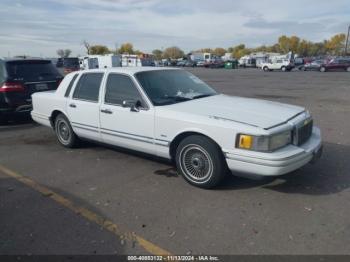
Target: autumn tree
{"x":63,"y":53}
{"x":284,"y":43}
{"x":336,"y":45}
{"x":205,"y":50}
{"x":173,"y":52}
{"x":239,"y":51}
{"x":219,"y":51}
{"x":126,"y":48}
{"x":138,"y":52}
{"x":157,"y":54}
{"x":99,"y":50}
{"x":303,"y":48}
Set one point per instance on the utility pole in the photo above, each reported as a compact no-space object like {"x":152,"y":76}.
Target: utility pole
{"x":347,"y":42}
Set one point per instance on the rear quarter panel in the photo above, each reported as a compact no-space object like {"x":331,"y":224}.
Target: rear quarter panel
{"x":45,"y":103}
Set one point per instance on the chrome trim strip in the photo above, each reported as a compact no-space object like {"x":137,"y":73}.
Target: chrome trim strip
{"x":123,"y":134}
{"x":85,"y":128}
{"x":227,"y":119}
{"x":41,"y":82}
{"x":38,"y":115}
{"x":261,"y":158}
{"x":285,"y":122}
{"x":298,"y":159}
{"x":75,"y":123}
{"x":41,"y":117}
{"x":131,"y":138}
{"x":147,"y":137}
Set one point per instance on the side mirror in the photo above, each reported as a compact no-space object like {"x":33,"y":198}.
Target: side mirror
{"x":134,"y":105}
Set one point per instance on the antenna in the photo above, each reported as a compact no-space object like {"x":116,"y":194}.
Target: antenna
{"x":347,"y":42}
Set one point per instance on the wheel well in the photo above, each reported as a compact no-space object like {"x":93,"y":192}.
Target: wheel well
{"x":177,"y":140}
{"x":54,"y":114}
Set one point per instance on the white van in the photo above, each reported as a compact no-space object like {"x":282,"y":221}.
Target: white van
{"x":277,"y":63}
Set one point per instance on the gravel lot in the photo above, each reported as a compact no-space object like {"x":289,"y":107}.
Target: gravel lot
{"x":305,"y":212}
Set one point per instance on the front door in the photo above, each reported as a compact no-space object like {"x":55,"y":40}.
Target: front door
{"x":83,"y":106}
{"x":122,"y":123}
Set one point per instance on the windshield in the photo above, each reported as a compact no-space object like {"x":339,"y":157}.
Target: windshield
{"x":166,"y":87}
{"x":71,"y":62}
{"x":32,"y":70}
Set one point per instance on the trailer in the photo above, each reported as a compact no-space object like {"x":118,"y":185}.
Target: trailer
{"x":99,"y":61}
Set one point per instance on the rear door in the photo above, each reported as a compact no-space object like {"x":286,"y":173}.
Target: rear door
{"x":83,"y":106}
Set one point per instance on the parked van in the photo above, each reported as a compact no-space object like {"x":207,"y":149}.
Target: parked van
{"x":278,"y":63}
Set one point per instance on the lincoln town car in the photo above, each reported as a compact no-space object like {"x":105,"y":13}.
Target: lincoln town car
{"x":172,"y":114}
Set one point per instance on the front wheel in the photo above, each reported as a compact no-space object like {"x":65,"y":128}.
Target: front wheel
{"x":348,"y":69}
{"x":200,"y":161}
{"x":266,"y":69}
{"x":283,"y":68}
{"x":323,"y":69}
{"x":64,"y":132}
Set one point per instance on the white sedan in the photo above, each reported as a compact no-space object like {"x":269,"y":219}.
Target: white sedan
{"x":173,"y":114}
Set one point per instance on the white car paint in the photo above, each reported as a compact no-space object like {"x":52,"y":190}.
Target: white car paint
{"x":153,"y":129}
{"x":277,"y":64}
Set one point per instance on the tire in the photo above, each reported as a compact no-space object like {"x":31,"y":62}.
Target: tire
{"x":64,"y":132}
{"x":200,"y":161}
{"x":284,"y":69}
{"x":266,"y":69}
{"x":322,"y":69}
{"x":348,"y":69}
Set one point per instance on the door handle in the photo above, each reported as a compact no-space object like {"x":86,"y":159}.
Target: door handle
{"x":72,"y":105}
{"x":107,"y":111}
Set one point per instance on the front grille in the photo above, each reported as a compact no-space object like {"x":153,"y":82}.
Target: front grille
{"x":303,"y":132}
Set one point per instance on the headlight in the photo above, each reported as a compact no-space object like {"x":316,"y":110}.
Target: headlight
{"x":264,"y":143}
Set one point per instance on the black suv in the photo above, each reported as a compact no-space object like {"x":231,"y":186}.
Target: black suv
{"x":19,"y":79}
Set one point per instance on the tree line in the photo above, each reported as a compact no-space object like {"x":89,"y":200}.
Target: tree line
{"x":333,"y":46}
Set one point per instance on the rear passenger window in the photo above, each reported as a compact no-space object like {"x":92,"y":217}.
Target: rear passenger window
{"x":88,"y":87}
{"x":120,"y":88}
{"x":70,"y":85}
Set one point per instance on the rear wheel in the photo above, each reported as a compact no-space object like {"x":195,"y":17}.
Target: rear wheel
{"x":266,"y":69}
{"x":200,"y":161}
{"x":283,"y":68}
{"x":323,"y":69}
{"x":64,"y":132}
{"x":348,"y":69}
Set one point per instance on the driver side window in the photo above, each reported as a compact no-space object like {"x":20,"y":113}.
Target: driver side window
{"x":120,"y":88}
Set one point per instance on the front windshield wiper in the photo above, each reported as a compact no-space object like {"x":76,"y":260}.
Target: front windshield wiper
{"x":178,"y":98}
{"x":202,"y":96}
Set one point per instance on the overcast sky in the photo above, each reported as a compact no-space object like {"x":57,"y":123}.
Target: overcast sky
{"x":40,"y":27}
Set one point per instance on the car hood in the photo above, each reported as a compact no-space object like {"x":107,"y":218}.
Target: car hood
{"x":254,"y":112}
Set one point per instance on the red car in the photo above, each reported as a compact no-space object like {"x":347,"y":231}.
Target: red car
{"x":339,"y":64}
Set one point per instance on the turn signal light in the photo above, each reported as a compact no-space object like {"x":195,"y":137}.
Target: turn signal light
{"x":245,"y":141}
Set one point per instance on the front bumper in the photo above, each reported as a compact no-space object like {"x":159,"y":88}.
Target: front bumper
{"x":280,"y":162}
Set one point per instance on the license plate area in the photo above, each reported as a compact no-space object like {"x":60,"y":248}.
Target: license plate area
{"x":41,"y":87}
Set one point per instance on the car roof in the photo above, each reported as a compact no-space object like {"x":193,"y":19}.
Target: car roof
{"x":130,"y":70}
{"x":14,"y":59}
